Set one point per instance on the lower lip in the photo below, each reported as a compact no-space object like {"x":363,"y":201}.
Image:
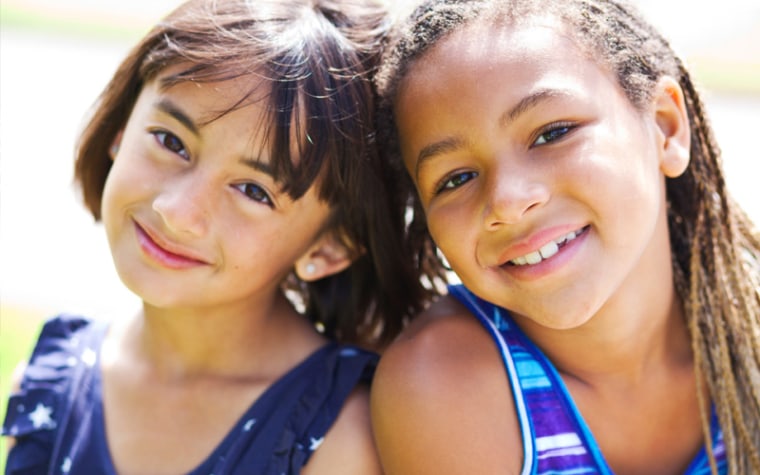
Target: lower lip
{"x":550,"y":265}
{"x":160,"y":255}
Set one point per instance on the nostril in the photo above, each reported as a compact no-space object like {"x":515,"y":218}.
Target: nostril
{"x":181,"y":213}
{"x":511,"y":208}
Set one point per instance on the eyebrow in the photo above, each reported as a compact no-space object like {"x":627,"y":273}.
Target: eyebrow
{"x":454,"y":143}
{"x":173,"y":110}
{"x":530,"y":101}
{"x":447,"y":145}
{"x":259,"y":165}
{"x":167,"y":106}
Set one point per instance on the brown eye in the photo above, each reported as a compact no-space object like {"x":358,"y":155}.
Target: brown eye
{"x":171,"y":143}
{"x":255,"y":193}
{"x":455,"y":181}
{"x":552,"y":133}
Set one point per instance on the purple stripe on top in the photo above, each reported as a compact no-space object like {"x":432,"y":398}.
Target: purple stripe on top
{"x":556,"y":439}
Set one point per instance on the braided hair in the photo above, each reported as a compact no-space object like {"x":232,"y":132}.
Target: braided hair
{"x":714,"y":245}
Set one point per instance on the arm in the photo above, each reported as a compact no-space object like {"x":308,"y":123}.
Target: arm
{"x":348,"y":447}
{"x":441,"y":402}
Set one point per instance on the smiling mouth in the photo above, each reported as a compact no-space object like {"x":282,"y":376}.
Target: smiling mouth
{"x":547,"y":250}
{"x":158,"y":251}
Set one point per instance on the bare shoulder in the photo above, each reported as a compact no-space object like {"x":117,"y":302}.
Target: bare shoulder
{"x":441,"y":401}
{"x":348,"y":447}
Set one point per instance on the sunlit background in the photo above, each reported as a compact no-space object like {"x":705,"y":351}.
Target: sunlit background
{"x":55,"y":57}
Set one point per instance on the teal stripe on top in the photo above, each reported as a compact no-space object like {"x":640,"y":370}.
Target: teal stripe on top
{"x":556,"y":439}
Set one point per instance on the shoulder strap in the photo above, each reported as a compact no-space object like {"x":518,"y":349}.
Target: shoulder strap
{"x":342,"y":370}
{"x":289,"y":421}
{"x":491,"y":318}
{"x":555,"y":437}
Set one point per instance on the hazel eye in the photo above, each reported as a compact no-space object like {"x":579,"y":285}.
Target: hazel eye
{"x":455,"y":181}
{"x":171,"y":143}
{"x":552,"y":133}
{"x":256,"y":193}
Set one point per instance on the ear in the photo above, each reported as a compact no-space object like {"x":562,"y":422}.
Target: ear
{"x":327,"y":256}
{"x":115,"y":145}
{"x":673,"y":131}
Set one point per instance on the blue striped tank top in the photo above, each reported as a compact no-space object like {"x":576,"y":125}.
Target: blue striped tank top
{"x":556,"y":440}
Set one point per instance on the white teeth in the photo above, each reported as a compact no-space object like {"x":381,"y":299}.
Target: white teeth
{"x":533,"y":257}
{"x":547,"y":250}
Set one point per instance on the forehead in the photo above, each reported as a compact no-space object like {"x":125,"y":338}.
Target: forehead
{"x":228,"y":116}
{"x":210,"y":100}
{"x":485,"y":70}
{"x":265,"y":119}
{"x":481,"y":58}
{"x":479,"y":47}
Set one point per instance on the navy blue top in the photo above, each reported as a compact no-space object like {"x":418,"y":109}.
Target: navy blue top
{"x":57,"y":415}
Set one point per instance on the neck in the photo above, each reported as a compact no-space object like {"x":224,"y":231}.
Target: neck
{"x":623,"y":346}
{"x":641,"y":327}
{"x":639,"y":330}
{"x":238,"y":339}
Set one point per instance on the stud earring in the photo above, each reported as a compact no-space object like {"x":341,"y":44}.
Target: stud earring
{"x":310,"y":268}
{"x":114,"y":150}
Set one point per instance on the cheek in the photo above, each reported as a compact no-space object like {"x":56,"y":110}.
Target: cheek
{"x":452,"y":228}
{"x":129,"y":184}
{"x":111,"y":192}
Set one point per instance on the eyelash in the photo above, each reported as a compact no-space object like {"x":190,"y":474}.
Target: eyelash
{"x":251,"y":191}
{"x":557,"y":130}
{"x":176,"y":147}
{"x":255,"y":193}
{"x":447,"y":183}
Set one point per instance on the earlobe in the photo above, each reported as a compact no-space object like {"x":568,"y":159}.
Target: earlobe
{"x":327,"y":256}
{"x":673,"y":129}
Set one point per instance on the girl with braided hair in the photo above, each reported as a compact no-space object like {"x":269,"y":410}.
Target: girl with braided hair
{"x":565,"y":167}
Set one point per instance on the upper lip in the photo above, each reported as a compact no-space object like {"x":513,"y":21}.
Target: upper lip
{"x":534,"y":242}
{"x":169,"y":246}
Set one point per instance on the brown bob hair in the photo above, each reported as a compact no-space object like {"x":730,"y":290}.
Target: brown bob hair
{"x":316,"y":58}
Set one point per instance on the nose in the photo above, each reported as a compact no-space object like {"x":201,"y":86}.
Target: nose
{"x":511,"y":195}
{"x":183,"y":204}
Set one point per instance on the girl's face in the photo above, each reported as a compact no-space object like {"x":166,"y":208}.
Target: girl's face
{"x":191,"y":210}
{"x":541,"y":183}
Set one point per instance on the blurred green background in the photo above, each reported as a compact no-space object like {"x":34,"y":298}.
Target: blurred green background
{"x":56,"y":56}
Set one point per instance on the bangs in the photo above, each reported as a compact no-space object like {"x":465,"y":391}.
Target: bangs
{"x":314,"y":116}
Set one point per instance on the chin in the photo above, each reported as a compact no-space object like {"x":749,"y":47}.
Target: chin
{"x":555,"y":318}
{"x":156,"y":297}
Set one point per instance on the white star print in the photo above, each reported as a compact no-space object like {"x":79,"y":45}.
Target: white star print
{"x":89,"y":357}
{"x":315,"y":443}
{"x":41,"y":416}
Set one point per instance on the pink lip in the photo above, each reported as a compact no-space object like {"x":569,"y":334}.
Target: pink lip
{"x":534,"y":242}
{"x":163,"y":252}
{"x":547,"y":266}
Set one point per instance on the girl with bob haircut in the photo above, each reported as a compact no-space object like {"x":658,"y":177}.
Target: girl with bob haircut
{"x":566,"y":169}
{"x":232,"y":161}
